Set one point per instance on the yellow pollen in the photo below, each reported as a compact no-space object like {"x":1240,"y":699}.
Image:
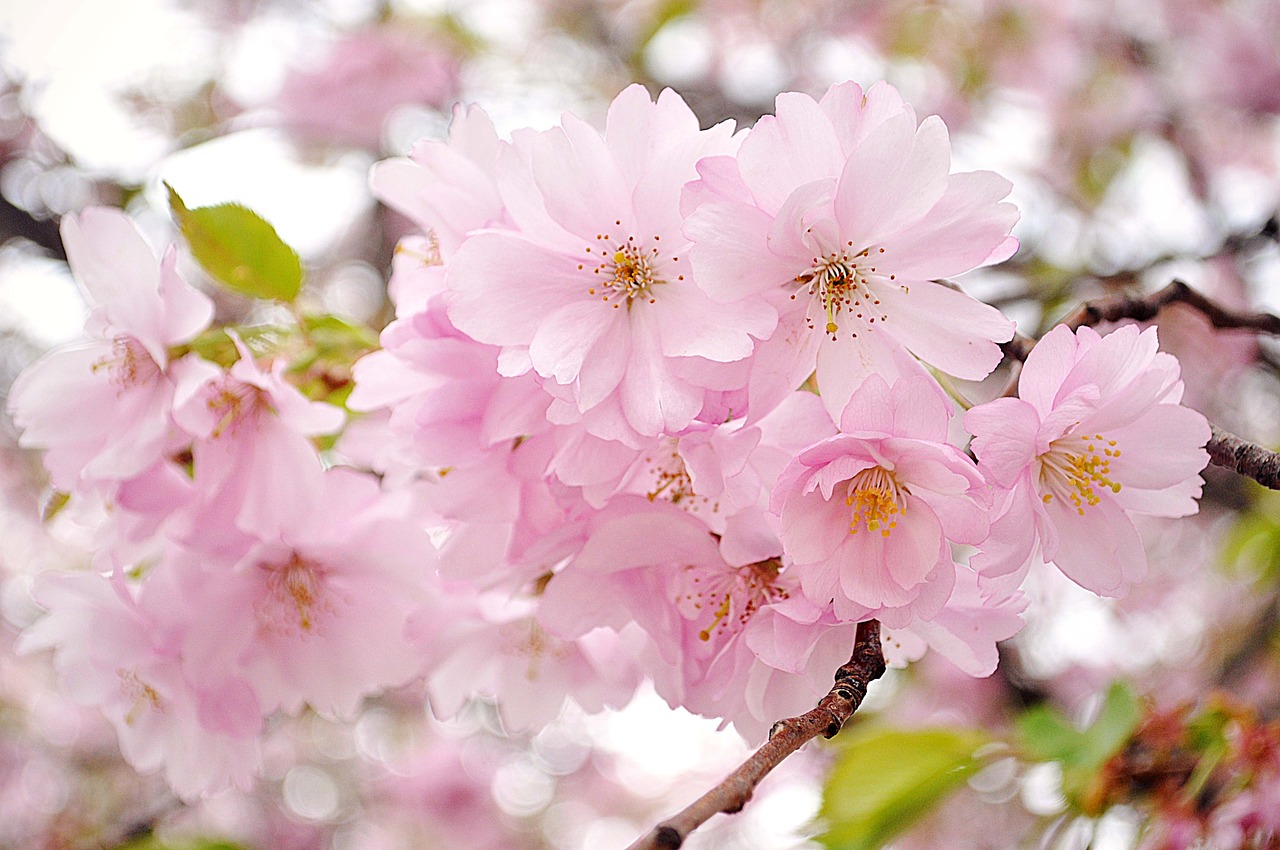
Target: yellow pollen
{"x":625,"y":274}
{"x":876,"y":499}
{"x":721,"y":613}
{"x":672,"y":482}
{"x":1073,"y":469}
{"x":731,"y":597}
{"x":840,"y":282}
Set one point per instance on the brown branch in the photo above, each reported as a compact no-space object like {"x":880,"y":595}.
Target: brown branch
{"x":1018,"y":348}
{"x":1225,"y":449}
{"x":1248,"y":459}
{"x":1144,"y":309}
{"x":787,"y":736}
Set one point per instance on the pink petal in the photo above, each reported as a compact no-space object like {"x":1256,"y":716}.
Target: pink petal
{"x":945,"y":328}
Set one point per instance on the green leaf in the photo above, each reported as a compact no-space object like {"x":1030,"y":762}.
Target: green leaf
{"x":885,"y":779}
{"x":1117,"y":721}
{"x":240,"y":249}
{"x":334,"y":335}
{"x":1252,"y":547}
{"x":1046,"y":735}
{"x":152,"y":842}
{"x":1207,"y":734}
{"x":216,"y":346}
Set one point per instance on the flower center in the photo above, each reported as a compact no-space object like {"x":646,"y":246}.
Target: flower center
{"x":671,"y":479}
{"x":731,"y":597}
{"x":129,"y":364}
{"x":526,"y":638}
{"x":875,"y":498}
{"x":1075,"y":466}
{"x":142,"y":694}
{"x":233,"y":401}
{"x":295,"y":596}
{"x":624,"y":271}
{"x":840,"y":283}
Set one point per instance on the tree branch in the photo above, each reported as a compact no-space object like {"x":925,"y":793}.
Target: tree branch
{"x":1177,"y":292}
{"x":787,"y":736}
{"x":1225,"y":449}
{"x":1249,"y":459}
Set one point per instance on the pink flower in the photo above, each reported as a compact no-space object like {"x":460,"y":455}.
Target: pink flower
{"x":490,"y":645}
{"x":448,"y":187}
{"x":254,"y":464}
{"x":965,"y":631}
{"x":367,"y":75}
{"x":319,"y":615}
{"x":130,"y":662}
{"x":1096,"y":434}
{"x":653,"y":565}
{"x":101,"y":410}
{"x":449,"y":405}
{"x":592,"y":289}
{"x":838,"y":214}
{"x":868,"y":515}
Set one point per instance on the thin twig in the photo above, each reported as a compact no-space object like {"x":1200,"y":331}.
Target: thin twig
{"x":1225,"y":449}
{"x":787,"y":736}
{"x":1144,"y":309}
{"x":1018,"y":348}
{"x":1249,"y":459}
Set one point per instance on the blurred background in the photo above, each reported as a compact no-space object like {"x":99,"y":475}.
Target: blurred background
{"x":1142,"y":139}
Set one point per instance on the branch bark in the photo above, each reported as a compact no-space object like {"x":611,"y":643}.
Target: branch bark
{"x":1225,"y":449}
{"x":1177,"y":292}
{"x":832,"y":712}
{"x":1249,"y":459}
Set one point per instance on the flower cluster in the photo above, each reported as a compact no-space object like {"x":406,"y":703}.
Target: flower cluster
{"x":236,"y":576}
{"x":663,"y":396}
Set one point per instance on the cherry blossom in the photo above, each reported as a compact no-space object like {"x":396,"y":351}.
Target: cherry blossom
{"x":318,"y":615}
{"x":592,"y":289}
{"x":253,"y":462}
{"x":840,"y":214}
{"x":1096,"y":434}
{"x":869,"y":514}
{"x":139,"y":308}
{"x":130,"y":662}
{"x":348,"y":97}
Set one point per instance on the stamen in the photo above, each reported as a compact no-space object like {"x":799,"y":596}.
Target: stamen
{"x":144,"y":696}
{"x":624,"y":274}
{"x":129,"y":364}
{"x":1076,"y":467}
{"x":295,"y":596}
{"x":233,"y":402}
{"x":671,"y":480}
{"x":732,"y":596}
{"x":840,"y":282}
{"x":876,"y":498}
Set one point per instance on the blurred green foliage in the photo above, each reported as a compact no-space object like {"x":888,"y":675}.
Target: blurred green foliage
{"x":885,"y":779}
{"x":240,"y":249}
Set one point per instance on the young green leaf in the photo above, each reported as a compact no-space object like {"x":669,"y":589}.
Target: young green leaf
{"x":240,"y":249}
{"x":1046,"y":735}
{"x":885,"y":779}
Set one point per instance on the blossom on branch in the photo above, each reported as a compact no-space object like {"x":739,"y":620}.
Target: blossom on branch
{"x":592,"y":287}
{"x":869,"y":514}
{"x":838,"y":215}
{"x":1096,"y":434}
{"x":139,"y":308}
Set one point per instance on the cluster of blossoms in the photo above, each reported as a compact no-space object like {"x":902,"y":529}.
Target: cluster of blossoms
{"x":658,"y":402}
